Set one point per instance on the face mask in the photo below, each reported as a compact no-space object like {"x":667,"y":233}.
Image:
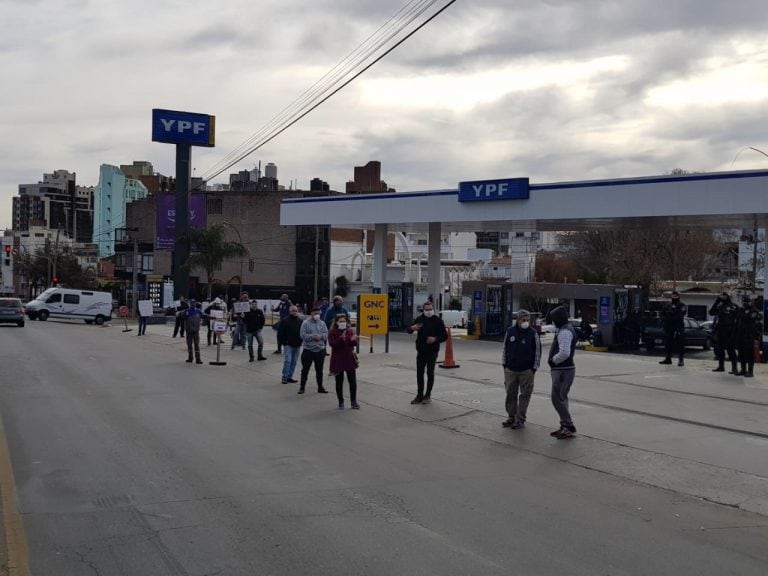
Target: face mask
{"x":429,"y":313}
{"x":525,"y":325}
{"x":315,"y":317}
{"x":342,"y":325}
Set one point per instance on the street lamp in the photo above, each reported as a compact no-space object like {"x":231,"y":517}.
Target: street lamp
{"x":240,"y":240}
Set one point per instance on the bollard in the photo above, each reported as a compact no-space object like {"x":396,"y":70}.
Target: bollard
{"x":449,"y":361}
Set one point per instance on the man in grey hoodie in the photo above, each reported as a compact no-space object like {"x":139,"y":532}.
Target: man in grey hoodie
{"x":314,"y":336}
{"x":562,"y":370}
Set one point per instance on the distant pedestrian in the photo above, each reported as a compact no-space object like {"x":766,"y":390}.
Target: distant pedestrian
{"x":283,"y":309}
{"x":674,"y":329}
{"x":215,"y":312}
{"x":289,"y":336}
{"x":323,"y":307}
{"x":314,"y":336}
{"x":563,"y":370}
{"x":193,"y":317}
{"x":178,"y":326}
{"x":431,"y":332}
{"x":726,"y":315}
{"x":750,"y":330}
{"x":142,"y":323}
{"x":335,"y":310}
{"x":342,"y":339}
{"x":236,"y":318}
{"x":520,"y":358}
{"x":253,"y":322}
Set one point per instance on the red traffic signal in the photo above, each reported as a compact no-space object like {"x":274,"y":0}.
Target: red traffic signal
{"x":8,"y":249}
{"x":55,"y":280}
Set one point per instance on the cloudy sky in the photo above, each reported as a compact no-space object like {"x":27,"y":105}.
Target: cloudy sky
{"x":553,"y":90}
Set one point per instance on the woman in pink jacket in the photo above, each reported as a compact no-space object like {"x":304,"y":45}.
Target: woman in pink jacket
{"x":343,"y":340}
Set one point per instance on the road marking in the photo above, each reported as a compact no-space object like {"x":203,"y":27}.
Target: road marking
{"x":15,"y":537}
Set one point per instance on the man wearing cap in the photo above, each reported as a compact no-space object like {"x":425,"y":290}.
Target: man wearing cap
{"x":750,"y":328}
{"x":283,"y":309}
{"x":726,"y":315}
{"x":314,"y":336}
{"x":520,"y":358}
{"x":333,"y":311}
{"x":674,"y":329}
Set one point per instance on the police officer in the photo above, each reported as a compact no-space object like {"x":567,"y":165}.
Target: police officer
{"x":750,"y":328}
{"x":726,"y":314}
{"x":674,"y":329}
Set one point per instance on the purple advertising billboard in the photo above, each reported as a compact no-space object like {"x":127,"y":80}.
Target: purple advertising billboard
{"x":166,"y":218}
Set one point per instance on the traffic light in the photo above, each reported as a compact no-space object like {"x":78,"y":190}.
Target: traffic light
{"x":55,"y":280}
{"x":8,"y":254}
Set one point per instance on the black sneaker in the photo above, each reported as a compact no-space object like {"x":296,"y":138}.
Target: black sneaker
{"x":666,"y":361}
{"x":277,"y":352}
{"x":517,"y":425}
{"x":261,"y":358}
{"x":250,"y":359}
{"x":565,"y":435}
{"x":680,"y":362}
{"x":189,"y":360}
{"x":301,"y":390}
{"x":417,"y":400}
{"x":198,"y":362}
{"x":556,"y":433}
{"x":284,"y":381}
{"x":426,"y":400}
{"x":507,"y":423}
{"x":322,"y":391}
{"x":292,"y":381}
{"x":355,"y":406}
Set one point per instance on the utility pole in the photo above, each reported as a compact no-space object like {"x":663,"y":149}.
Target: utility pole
{"x":135,"y":279}
{"x":317,"y":249}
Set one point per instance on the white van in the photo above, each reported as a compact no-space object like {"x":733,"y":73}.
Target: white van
{"x":454,"y":318}
{"x":75,"y":304}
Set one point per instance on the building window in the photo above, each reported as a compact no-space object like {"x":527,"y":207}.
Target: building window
{"x":147,"y":262}
{"x":215,"y":206}
{"x":251,"y":264}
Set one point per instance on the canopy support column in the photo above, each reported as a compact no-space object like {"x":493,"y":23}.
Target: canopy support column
{"x":433,"y":242}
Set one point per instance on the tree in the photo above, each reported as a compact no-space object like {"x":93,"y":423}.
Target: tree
{"x":210,"y":249}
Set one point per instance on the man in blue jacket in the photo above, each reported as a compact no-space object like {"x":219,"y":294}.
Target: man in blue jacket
{"x":520,"y":357}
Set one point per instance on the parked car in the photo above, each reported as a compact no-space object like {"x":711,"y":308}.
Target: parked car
{"x":454,"y":318}
{"x":695,"y":334}
{"x":12,"y":310}
{"x":710,"y":326}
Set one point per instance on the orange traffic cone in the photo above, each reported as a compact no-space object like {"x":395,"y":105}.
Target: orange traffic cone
{"x":449,"y":361}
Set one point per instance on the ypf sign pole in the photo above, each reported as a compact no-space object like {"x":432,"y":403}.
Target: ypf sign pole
{"x":185,"y":129}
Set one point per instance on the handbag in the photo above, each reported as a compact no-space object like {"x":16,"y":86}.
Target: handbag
{"x":355,"y":359}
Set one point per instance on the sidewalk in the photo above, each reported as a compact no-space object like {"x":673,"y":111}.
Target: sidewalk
{"x":684,"y":429}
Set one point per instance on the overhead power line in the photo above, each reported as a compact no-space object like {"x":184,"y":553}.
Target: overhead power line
{"x":335,"y":80}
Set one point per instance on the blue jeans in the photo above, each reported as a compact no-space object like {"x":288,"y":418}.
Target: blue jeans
{"x":259,"y":340}
{"x":291,"y":354}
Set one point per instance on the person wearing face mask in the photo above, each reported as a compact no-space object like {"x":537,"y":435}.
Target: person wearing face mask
{"x":726,"y":316}
{"x":563,"y":370}
{"x":335,"y":310}
{"x":342,"y":339}
{"x":750,"y":328}
{"x":520,"y":358}
{"x":314,"y":336}
{"x":674,"y":329}
{"x":289,"y":336}
{"x":431,"y":331}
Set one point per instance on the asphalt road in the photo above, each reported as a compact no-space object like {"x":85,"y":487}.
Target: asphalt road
{"x":129,"y":461}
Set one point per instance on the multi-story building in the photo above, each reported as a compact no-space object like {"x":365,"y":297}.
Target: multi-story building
{"x":114,"y":191}
{"x":368,"y":180}
{"x":56,"y":203}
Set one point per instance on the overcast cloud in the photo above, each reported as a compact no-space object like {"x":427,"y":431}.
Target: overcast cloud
{"x":553,"y":90}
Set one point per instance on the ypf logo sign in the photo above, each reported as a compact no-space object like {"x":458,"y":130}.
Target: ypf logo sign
{"x":174,"y":127}
{"x":484,"y":190}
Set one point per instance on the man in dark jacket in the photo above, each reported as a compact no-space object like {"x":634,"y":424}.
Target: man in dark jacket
{"x":520,"y":357}
{"x":253,"y":321}
{"x":289,"y":336}
{"x":181,"y":318}
{"x":562,"y":370}
{"x":193,"y":317}
{"x":674,"y":329}
{"x":750,"y":328}
{"x":726,"y":315}
{"x":431,"y":331}
{"x":283,"y":309}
